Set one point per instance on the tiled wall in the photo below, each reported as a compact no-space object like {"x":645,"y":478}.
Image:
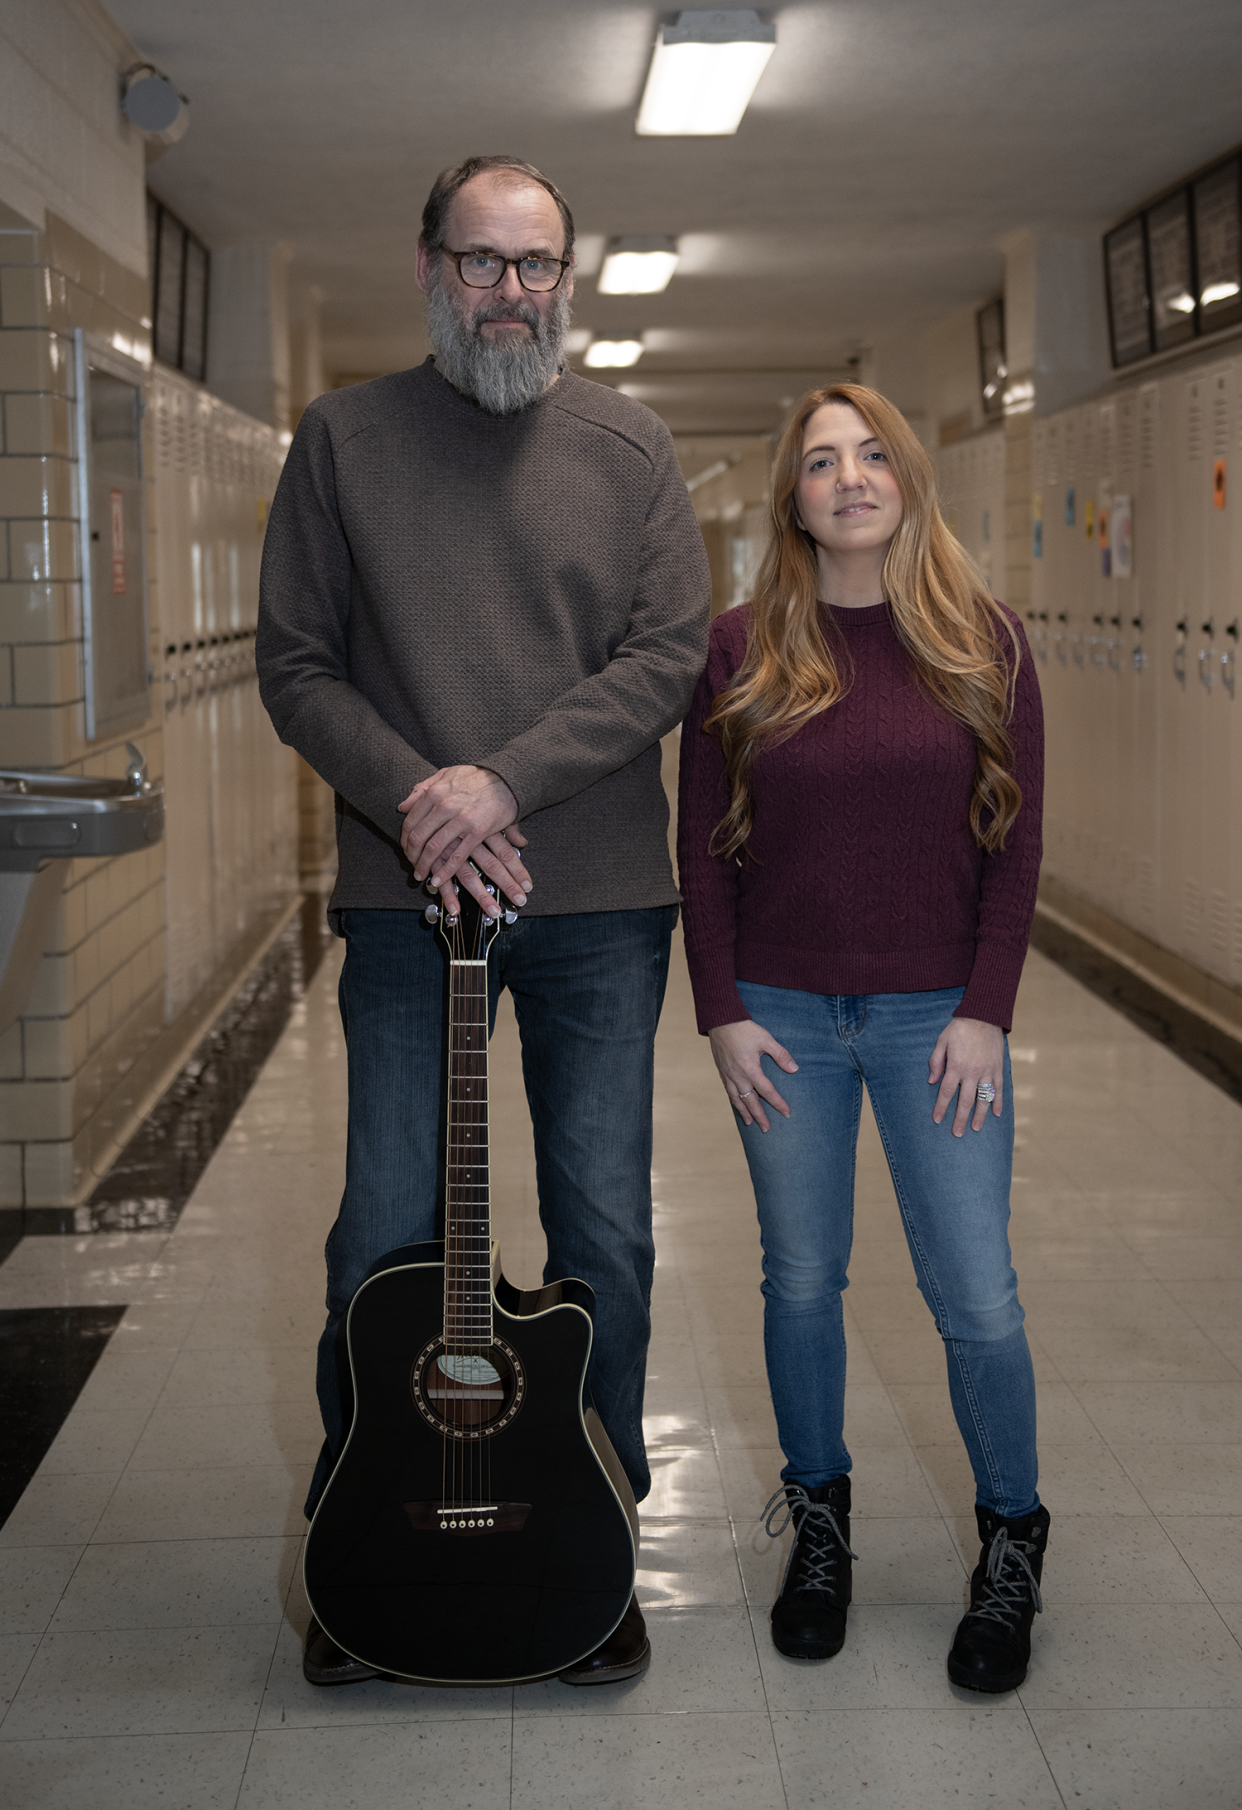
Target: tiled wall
{"x":98,"y":999}
{"x":231,"y":789}
{"x":137,"y":943}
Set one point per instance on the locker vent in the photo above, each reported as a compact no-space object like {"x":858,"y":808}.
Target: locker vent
{"x":1125,"y":438}
{"x":1108,"y":425}
{"x":1147,"y":889}
{"x":1192,"y":911}
{"x":1194,"y":421}
{"x":1218,"y":921}
{"x":1148,"y":424}
{"x":1052,"y":454}
{"x":1069,"y":450}
{"x":1220,"y":415}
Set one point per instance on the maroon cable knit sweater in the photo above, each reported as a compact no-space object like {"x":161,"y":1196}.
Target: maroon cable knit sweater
{"x":866,"y":877}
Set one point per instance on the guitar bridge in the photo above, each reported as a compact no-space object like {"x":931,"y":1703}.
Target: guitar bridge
{"x":471,"y":1519}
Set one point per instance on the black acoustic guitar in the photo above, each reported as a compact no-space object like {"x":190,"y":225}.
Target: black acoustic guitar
{"x":478,"y":1527}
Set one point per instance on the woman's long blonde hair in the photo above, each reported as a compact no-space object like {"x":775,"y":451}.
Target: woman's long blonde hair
{"x":943,"y":615}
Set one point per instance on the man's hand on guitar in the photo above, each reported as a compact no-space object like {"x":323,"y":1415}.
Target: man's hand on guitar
{"x":458,"y":816}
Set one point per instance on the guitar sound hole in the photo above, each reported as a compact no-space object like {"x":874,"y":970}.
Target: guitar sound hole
{"x":468,"y":1394}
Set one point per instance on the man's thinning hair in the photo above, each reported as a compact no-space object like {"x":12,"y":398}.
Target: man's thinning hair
{"x":449,"y":182}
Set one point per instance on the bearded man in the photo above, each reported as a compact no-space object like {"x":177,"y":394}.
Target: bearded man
{"x":484,"y":600}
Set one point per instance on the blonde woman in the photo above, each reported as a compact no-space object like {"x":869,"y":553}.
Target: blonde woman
{"x":859,"y":845}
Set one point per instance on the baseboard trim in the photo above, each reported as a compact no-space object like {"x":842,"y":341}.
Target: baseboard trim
{"x":1206,"y":1039}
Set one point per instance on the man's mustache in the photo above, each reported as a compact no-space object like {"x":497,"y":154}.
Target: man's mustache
{"x":508,"y":311}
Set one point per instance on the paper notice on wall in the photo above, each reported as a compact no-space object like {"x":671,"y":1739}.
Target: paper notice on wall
{"x":1121,"y":532}
{"x":118,"y":542}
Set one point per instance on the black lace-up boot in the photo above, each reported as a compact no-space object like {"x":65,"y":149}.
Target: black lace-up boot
{"x":808,"y":1617}
{"x":992,"y":1646}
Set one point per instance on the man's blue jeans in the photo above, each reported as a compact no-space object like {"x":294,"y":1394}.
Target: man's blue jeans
{"x":587,"y":990}
{"x":953,"y":1194}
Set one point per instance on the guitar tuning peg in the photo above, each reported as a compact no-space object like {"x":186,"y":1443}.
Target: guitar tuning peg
{"x":432,"y":913}
{"x":511,"y":917}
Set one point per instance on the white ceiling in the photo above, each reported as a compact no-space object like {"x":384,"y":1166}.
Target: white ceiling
{"x":891,"y":143}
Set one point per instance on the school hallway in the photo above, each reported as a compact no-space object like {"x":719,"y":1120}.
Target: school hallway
{"x":152,"y":1603}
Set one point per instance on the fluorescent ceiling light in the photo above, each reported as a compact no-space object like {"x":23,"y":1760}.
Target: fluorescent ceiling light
{"x":1218,"y":292}
{"x":703,"y":73}
{"x":1181,"y":303}
{"x":612,"y":354}
{"x":640,"y":265}
{"x":577,"y":340}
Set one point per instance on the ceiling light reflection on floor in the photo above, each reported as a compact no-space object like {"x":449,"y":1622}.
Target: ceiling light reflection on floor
{"x":613,"y":354}
{"x":703,"y":73}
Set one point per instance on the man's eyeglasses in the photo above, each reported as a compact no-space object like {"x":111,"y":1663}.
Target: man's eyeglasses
{"x":486,"y":269}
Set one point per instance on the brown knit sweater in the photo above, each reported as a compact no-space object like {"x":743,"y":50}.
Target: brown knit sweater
{"x":865,"y":876}
{"x":526,"y":593}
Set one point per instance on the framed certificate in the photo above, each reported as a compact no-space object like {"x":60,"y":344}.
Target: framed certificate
{"x":1218,"y":244}
{"x":1129,"y":309}
{"x":1172,"y":271}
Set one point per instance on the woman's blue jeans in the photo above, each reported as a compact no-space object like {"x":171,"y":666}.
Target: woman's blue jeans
{"x":953,"y":1194}
{"x":587,"y":990}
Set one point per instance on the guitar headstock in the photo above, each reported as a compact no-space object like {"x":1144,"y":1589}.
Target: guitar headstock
{"x":469,"y":935}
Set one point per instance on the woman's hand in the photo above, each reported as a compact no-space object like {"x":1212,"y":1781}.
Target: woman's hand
{"x":737,"y":1049}
{"x":967,"y":1053}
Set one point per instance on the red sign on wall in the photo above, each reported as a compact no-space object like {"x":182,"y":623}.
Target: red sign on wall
{"x":118,"y":542}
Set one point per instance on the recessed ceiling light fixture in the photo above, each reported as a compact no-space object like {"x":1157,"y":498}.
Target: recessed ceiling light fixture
{"x":703,"y":73}
{"x":639,"y":265}
{"x":613,"y":354}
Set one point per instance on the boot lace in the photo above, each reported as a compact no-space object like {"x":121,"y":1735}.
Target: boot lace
{"x":817,"y":1537}
{"x":1007,"y":1582}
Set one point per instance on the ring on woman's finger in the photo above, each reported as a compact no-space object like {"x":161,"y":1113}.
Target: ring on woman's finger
{"x":985,"y":1092}
{"x":747,"y":1094}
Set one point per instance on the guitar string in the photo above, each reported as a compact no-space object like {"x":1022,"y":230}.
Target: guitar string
{"x":468,"y":1308}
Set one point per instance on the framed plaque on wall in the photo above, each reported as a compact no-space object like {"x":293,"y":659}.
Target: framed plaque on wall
{"x":1218,"y":243}
{"x":1129,"y":309}
{"x":1172,"y":272}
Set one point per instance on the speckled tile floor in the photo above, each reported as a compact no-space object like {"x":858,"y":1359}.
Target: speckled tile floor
{"x":150,"y":1600}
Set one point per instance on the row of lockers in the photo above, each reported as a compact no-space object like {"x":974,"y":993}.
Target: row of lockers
{"x":1135,"y":602}
{"x":1136,"y":596}
{"x":1134,"y":619}
{"x":231,"y":788}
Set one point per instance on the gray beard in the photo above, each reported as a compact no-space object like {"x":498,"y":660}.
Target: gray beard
{"x":503,"y":375}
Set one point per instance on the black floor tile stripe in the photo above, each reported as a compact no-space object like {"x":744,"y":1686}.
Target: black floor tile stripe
{"x":1209,"y":1051}
{"x":46,"y":1355}
{"x":156,"y":1173}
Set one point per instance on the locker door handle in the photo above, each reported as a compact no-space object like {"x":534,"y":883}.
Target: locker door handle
{"x":1206,"y":658}
{"x":1114,"y":655}
{"x":1228,"y":676}
{"x":1179,"y":663}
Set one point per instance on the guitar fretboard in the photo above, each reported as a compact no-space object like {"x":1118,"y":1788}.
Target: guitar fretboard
{"x":467,"y":1232}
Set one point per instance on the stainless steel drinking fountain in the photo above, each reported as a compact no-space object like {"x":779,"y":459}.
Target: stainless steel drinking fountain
{"x":47,"y":820}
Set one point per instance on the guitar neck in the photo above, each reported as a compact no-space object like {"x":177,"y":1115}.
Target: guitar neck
{"x":468,"y":1231}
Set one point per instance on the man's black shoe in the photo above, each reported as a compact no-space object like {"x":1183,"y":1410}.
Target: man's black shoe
{"x":323,"y":1662}
{"x":625,"y":1654}
{"x":808,"y":1617}
{"x":992,"y":1646}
